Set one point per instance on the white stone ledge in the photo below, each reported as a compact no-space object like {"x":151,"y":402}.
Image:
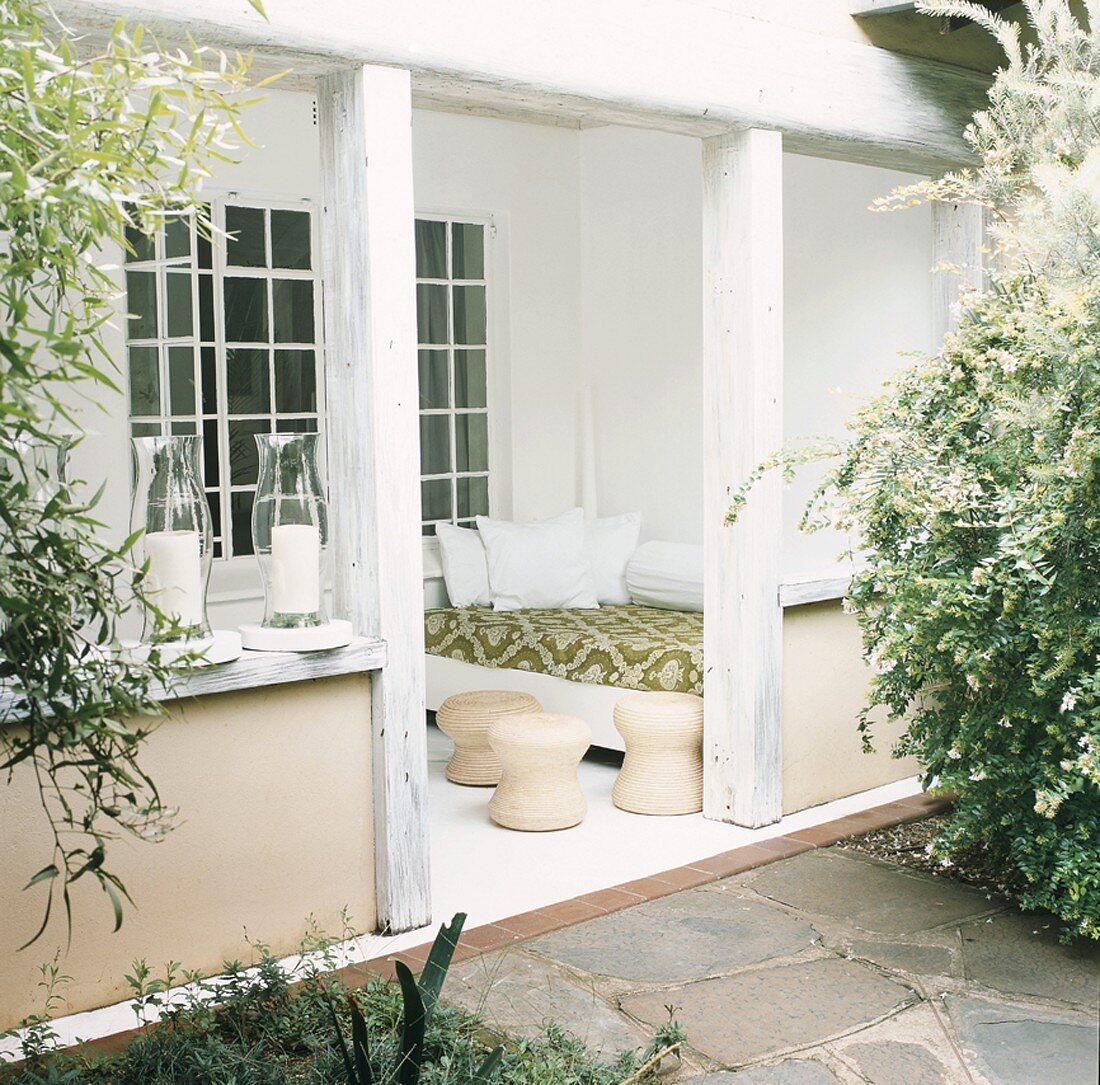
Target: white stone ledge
{"x":255,"y":670}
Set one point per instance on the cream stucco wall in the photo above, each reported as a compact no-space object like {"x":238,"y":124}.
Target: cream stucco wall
{"x":275,"y":825}
{"x":824,"y":686}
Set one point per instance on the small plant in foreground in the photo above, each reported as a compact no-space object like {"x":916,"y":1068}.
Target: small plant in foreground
{"x":419,"y":1000}
{"x":258,"y":1025}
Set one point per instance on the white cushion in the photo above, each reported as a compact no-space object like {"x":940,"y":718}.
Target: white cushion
{"x":608,"y":545}
{"x":667,"y":575}
{"x":462,"y":554}
{"x":538,"y":565}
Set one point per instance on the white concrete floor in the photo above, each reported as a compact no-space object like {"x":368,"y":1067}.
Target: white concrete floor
{"x":491,"y":873}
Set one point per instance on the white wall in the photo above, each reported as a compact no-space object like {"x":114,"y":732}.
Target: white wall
{"x":857,"y":292}
{"x":641,"y":324}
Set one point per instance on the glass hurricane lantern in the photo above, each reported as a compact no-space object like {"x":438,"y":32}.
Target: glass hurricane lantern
{"x":290,"y":535}
{"x":170,"y":507}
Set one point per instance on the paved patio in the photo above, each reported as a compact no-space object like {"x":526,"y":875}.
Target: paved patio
{"x":825,"y":967}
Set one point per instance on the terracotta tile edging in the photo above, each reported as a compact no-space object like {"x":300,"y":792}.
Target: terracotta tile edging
{"x":516,"y":929}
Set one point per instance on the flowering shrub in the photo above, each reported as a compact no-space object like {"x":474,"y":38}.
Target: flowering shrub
{"x":973,"y":486}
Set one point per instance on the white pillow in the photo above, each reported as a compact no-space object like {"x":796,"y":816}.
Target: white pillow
{"x":539,"y":566}
{"x":465,"y":573}
{"x":667,"y":575}
{"x":608,"y":544}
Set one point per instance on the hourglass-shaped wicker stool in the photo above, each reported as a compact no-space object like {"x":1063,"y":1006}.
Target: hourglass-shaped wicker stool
{"x":465,"y":719}
{"x":662,"y":771}
{"x":539,"y":754}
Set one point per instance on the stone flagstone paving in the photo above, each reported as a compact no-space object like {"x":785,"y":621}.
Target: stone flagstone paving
{"x":827,"y":968}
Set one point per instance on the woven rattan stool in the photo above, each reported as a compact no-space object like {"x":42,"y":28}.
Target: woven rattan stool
{"x":662,"y":771}
{"x":465,"y":718}
{"x":538,"y":788}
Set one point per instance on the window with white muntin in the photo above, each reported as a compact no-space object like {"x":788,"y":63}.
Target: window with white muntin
{"x":225,"y":340}
{"x":452,"y":329}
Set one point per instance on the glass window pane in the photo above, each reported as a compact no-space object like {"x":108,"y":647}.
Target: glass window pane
{"x":145,"y":429}
{"x":177,"y":238}
{"x":209,"y":381}
{"x":471,"y":442}
{"x":470,"y":381}
{"x":246,"y":246}
{"x":144,"y":381}
{"x":292,"y":300}
{"x":184,"y":428}
{"x":240,"y":509}
{"x":469,"y":314}
{"x":178,"y":291}
{"x":245,"y":310}
{"x":296,"y":425}
{"x":247,"y":385}
{"x":141,"y":302}
{"x":435,"y":499}
{"x":431,"y":313}
{"x":295,"y":381}
{"x":290,"y":239}
{"x":473,"y":496}
{"x":213,"y":500}
{"x":210,"y":472}
{"x":205,"y":249}
{"x":431,"y":249}
{"x":206,"y":308}
{"x":244,"y":459}
{"x":144,"y":247}
{"x":181,"y":380}
{"x":435,"y":444}
{"x":434,"y":390}
{"x":467,"y":251}
{"x":427,"y":529}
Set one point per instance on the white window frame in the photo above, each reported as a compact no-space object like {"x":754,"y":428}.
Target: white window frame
{"x":497,"y":392}
{"x":235,"y":577}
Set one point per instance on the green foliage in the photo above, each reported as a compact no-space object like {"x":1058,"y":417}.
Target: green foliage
{"x":973,"y":485}
{"x":94,"y":147}
{"x":419,"y":1001}
{"x":253,"y":1026}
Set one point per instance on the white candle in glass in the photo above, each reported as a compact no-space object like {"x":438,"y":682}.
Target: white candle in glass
{"x":296,"y":568}
{"x":175,"y":574}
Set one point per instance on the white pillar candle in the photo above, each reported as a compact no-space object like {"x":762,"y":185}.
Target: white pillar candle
{"x":296,"y":568}
{"x":175,"y":574}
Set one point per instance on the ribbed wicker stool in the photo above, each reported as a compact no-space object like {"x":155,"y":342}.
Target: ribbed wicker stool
{"x":465,"y":718}
{"x":538,"y":788}
{"x":662,"y":771}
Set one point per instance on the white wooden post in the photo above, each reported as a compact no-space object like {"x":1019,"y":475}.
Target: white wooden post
{"x":957,"y":236}
{"x":743,"y":423}
{"x":365,"y":118}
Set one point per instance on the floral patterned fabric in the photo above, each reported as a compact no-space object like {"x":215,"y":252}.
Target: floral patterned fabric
{"x":628,"y":646}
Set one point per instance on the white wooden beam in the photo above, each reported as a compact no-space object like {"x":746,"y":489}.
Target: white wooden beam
{"x":365,"y":119}
{"x":743,"y":423}
{"x":697,"y":68}
{"x":957,"y":236}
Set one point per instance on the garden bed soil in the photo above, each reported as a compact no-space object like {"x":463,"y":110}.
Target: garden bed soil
{"x":910,"y":844}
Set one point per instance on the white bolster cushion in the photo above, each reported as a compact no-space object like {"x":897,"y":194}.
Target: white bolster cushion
{"x":668,"y":575}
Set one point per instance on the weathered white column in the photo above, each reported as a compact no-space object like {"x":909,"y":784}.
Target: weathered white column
{"x":365,"y":118}
{"x":743,"y":424}
{"x":957,"y":235}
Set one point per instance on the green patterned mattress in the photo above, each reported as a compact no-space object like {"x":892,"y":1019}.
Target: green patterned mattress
{"x":628,"y":646}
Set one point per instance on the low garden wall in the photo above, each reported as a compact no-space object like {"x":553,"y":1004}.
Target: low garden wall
{"x":824,"y":687}
{"x":275,"y":824}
